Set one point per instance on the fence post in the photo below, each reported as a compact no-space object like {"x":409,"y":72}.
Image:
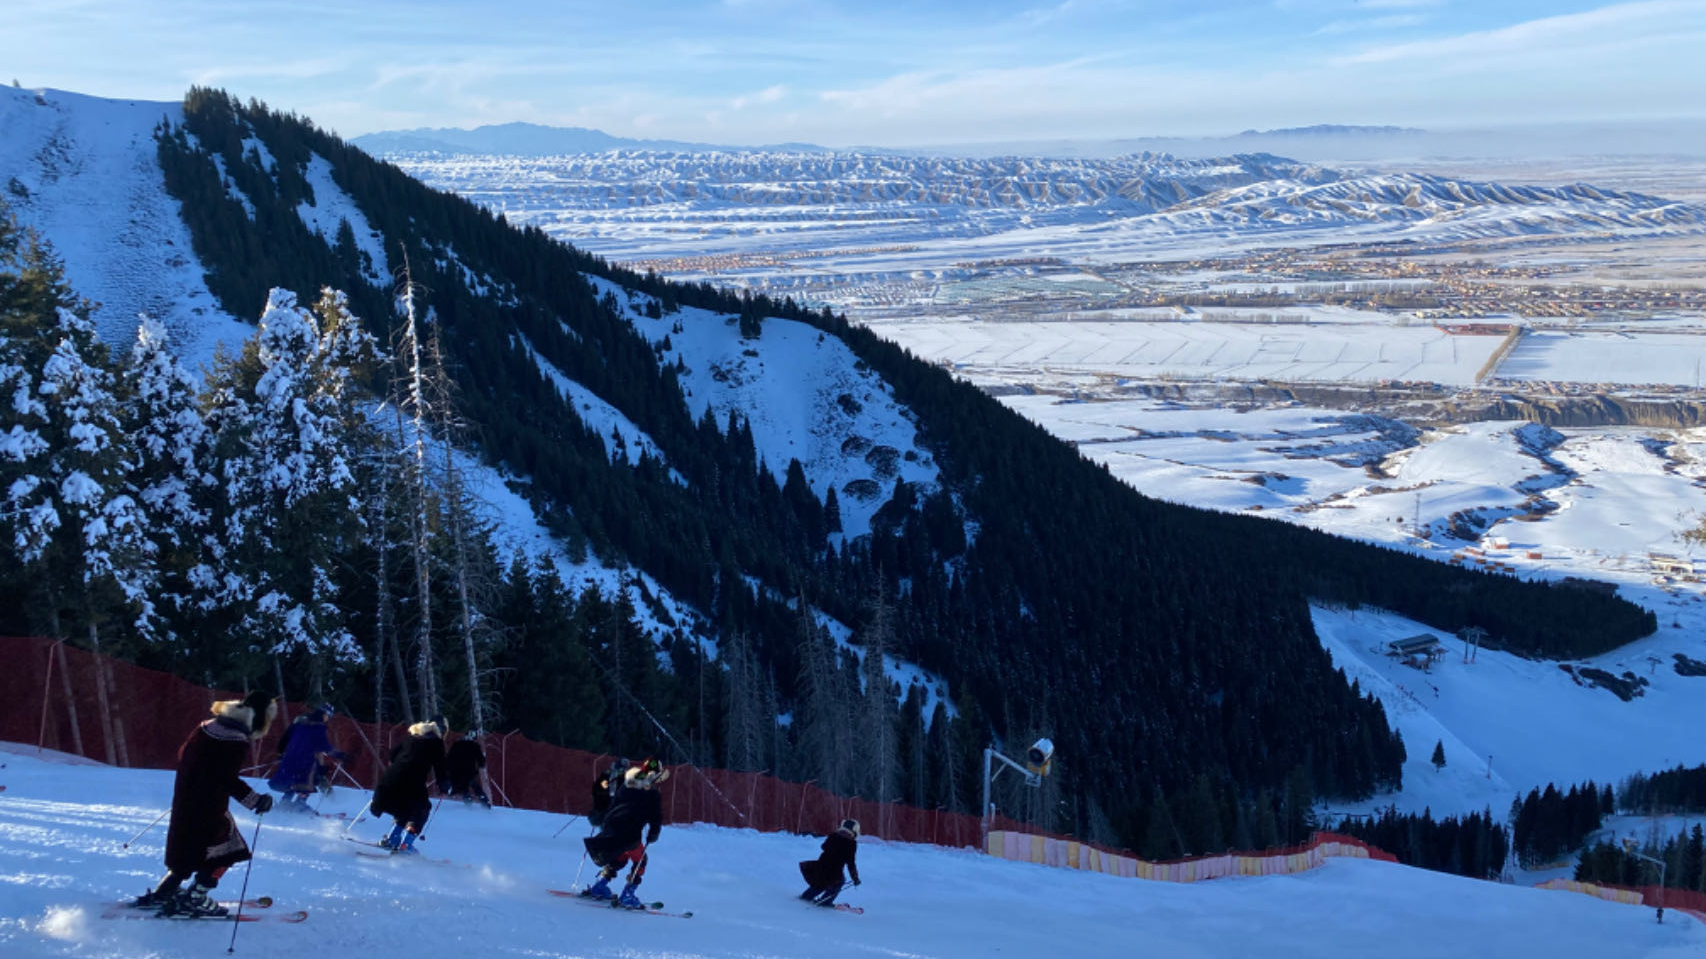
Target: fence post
{"x":70,"y":699}
{"x":46,"y":694}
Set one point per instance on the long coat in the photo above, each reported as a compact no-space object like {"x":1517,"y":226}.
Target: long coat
{"x":402,"y":789}
{"x":839,"y":850}
{"x":209,"y":763}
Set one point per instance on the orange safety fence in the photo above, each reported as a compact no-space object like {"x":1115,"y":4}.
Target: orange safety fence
{"x":1071,"y":854}
{"x":1681,"y":900}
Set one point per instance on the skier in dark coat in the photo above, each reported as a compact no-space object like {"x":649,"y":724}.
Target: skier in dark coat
{"x":466,"y":762}
{"x":604,"y":789}
{"x":635,"y":807}
{"x":402,"y":791}
{"x":201,"y":837}
{"x":306,"y":755}
{"x":823,"y":874}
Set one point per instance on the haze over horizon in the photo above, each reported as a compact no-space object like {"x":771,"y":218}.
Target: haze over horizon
{"x":745,"y":72}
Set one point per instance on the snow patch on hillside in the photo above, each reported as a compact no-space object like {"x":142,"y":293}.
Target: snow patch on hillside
{"x":331,"y":207}
{"x":806,"y":396}
{"x":622,"y":437}
{"x":84,"y":172}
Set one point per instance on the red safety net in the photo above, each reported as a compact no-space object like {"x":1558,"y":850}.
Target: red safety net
{"x":71,"y":700}
{"x":68,"y":699}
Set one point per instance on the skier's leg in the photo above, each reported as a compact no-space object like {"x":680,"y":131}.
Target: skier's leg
{"x":163,"y":892}
{"x":827,"y":897}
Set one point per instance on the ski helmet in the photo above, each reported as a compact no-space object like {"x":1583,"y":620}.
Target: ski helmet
{"x":852,"y":826}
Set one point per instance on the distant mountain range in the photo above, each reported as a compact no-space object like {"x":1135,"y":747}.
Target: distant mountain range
{"x":1334,"y":130}
{"x":533,"y":139}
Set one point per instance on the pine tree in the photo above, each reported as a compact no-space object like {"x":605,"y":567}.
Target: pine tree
{"x":1438,"y":758}
{"x":171,"y":468}
{"x":287,"y":427}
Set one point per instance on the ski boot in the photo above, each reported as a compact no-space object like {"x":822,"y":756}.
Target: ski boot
{"x":599,"y":890}
{"x":194,"y":903}
{"x":394,"y":840}
{"x":629,"y":899}
{"x":406,"y":847}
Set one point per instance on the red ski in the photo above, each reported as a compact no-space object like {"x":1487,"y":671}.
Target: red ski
{"x":650,"y":908}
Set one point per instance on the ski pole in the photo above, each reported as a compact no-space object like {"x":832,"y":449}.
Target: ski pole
{"x":566,"y":825}
{"x":358,"y":817}
{"x":237,"y":923}
{"x":145,"y":829}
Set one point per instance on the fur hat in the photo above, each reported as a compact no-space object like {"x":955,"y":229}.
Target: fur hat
{"x":851,"y":826}
{"x":255,"y":711}
{"x":436,"y":726}
{"x":645,"y":775}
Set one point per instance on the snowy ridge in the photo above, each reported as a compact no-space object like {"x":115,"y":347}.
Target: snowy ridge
{"x":1138,"y":183}
{"x":84,"y":173}
{"x":622,"y":437}
{"x":332,"y":207}
{"x":806,"y":396}
{"x":60,"y":861}
{"x":1494,"y":208}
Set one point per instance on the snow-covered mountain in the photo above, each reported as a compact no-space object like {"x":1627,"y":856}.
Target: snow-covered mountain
{"x":526,"y":139}
{"x":887,"y":214}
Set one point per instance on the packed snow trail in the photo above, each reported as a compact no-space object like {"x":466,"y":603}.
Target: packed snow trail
{"x":61,"y":864}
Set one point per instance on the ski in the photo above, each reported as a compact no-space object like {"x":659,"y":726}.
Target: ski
{"x":300,"y":915}
{"x":649,"y":908}
{"x":406,"y":856}
{"x":259,"y":902}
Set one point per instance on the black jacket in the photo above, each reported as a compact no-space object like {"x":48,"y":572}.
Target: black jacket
{"x":839,"y":851}
{"x":403,"y":786}
{"x":464,"y":760}
{"x":632,"y":810}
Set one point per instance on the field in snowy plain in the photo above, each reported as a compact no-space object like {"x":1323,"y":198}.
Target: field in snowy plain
{"x":61,"y":861}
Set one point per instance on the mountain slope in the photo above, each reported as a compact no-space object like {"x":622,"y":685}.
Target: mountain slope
{"x":1165,"y":650}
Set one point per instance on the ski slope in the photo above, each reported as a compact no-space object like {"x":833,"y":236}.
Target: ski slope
{"x":62,"y":826}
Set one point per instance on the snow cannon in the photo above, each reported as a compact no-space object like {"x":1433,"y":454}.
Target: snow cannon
{"x":1038,"y":757}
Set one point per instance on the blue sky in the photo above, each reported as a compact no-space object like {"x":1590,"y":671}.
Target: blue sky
{"x":880,"y":72}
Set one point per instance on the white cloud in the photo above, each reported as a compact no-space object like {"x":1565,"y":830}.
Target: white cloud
{"x":764,"y":96}
{"x":1656,"y":19}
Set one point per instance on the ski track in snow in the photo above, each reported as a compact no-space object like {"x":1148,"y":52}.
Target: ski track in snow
{"x":60,"y":860}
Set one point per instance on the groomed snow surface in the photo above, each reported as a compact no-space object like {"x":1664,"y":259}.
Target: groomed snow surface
{"x":61,"y":862}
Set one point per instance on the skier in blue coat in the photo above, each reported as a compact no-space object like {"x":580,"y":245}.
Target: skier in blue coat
{"x":306,"y":755}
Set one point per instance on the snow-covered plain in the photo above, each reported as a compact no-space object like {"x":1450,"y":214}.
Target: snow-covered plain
{"x":61,"y":830}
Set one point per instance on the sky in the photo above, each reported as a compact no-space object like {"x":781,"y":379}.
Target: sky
{"x":883,"y":72}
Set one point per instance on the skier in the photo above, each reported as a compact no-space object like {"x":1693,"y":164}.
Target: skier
{"x":402,"y":790}
{"x":823,"y":874}
{"x":635,"y":806}
{"x":466,"y":762}
{"x":202,"y":838}
{"x":604,"y":789}
{"x":306,"y":755}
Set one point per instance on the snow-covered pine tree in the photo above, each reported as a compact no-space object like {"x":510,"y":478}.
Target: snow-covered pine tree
{"x":71,"y":525}
{"x":170,"y":469}
{"x":288,"y":427}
